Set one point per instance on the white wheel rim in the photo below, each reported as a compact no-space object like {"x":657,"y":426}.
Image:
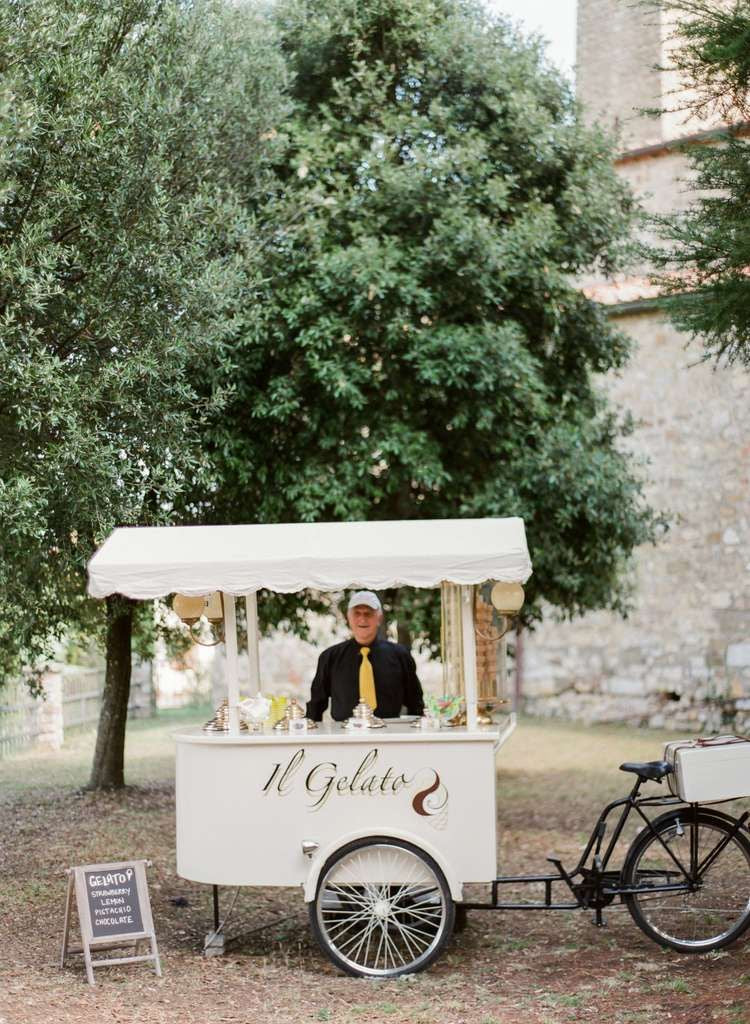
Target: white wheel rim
{"x":381,"y":909}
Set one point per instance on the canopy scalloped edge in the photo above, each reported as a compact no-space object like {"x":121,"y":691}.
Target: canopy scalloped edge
{"x":150,"y":562}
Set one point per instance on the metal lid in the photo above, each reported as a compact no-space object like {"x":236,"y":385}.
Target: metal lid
{"x":293,"y":712}
{"x":363,"y":717}
{"x":220,"y":721}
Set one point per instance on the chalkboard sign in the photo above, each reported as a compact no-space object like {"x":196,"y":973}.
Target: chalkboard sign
{"x":114,"y":911}
{"x":114,"y":902}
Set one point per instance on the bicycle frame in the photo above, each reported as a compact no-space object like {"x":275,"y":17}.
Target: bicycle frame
{"x":598,"y":886}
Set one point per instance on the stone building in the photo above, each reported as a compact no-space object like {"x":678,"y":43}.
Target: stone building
{"x":682,"y":658}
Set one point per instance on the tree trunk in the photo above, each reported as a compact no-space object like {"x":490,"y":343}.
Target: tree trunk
{"x":391,"y":597}
{"x":107,"y":771}
{"x":403,"y":633}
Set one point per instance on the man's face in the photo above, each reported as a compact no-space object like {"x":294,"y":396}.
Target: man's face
{"x":363,"y":622}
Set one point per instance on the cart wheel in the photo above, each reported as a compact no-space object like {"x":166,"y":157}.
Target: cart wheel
{"x":717,"y":911}
{"x":383,"y":908}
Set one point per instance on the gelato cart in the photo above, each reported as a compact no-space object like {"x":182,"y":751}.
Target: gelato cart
{"x":382,"y":824}
{"x":377,"y":822}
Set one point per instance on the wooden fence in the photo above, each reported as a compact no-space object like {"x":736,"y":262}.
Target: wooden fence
{"x":19,"y":726}
{"x":74,"y":696}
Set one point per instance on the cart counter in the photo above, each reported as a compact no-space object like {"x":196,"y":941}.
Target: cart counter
{"x":254,"y":809}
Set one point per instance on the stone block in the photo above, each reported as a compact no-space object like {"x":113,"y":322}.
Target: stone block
{"x":50,"y":731}
{"x":671,"y":674}
{"x":735,"y":688}
{"x":621,"y":686}
{"x":585,"y":685}
{"x":544,"y":685}
{"x":738,"y":655}
{"x":699,"y":694}
{"x":699,"y":671}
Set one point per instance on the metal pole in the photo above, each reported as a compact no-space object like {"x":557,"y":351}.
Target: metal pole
{"x":216,"y":908}
{"x":253,"y":652}
{"x":518,"y":688}
{"x":470,"y":655}
{"x":232,"y":674}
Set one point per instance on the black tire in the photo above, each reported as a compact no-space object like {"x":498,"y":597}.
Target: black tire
{"x":378,"y":900}
{"x":717,"y":911}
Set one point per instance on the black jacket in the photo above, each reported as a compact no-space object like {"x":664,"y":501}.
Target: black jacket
{"x":337,"y":680}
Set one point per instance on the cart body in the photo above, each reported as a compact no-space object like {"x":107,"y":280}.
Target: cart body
{"x":247,"y":804}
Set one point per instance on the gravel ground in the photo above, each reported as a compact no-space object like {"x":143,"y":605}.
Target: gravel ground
{"x":505,"y":968}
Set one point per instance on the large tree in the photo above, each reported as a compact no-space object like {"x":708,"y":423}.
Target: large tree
{"x":134,"y":140}
{"x":705,"y":258}
{"x":419,"y":347}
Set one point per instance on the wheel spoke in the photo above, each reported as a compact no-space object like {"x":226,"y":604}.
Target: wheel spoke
{"x":416,"y":931}
{"x":341,"y":927}
{"x":380,"y":944}
{"x":392,"y":945}
{"x":366,"y":935}
{"x":421,"y":939}
{"x":428,"y":916}
{"x":350,"y":896}
{"x":407,"y":942}
{"x":413,"y":887}
{"x":370,"y":927}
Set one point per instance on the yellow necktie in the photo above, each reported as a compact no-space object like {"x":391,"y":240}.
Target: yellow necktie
{"x":367,"y":680}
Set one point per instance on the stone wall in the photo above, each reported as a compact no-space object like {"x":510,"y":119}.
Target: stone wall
{"x":682,"y":659}
{"x":619,"y":46}
{"x":623,"y":69}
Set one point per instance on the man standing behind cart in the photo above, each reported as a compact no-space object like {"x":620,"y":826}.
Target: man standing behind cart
{"x":365,"y":668}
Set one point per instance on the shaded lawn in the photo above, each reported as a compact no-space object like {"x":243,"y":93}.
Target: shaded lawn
{"x":506,"y":968}
{"x":149,"y":757}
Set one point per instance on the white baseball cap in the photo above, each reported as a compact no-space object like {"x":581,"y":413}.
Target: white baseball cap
{"x":366,"y":597}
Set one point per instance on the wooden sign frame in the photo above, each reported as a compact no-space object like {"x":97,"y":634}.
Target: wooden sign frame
{"x":92,"y":943}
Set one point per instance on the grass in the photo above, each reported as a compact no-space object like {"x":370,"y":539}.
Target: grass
{"x":505,"y":968}
{"x":565,"y":999}
{"x":149,"y":756}
{"x":738,"y":1014}
{"x":676,"y":985}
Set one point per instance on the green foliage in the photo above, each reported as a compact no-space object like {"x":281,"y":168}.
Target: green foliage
{"x":706,"y":253}
{"x":711,"y":56}
{"x":213,"y":308}
{"x":134,"y":139}
{"x":419,"y":347}
{"x":706,"y":250}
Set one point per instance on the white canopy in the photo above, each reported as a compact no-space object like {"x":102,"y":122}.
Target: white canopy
{"x":147,"y":562}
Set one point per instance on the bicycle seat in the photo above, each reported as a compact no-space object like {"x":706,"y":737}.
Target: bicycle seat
{"x":654,"y":770}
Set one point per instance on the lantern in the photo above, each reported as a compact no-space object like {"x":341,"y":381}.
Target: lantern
{"x":206,"y":606}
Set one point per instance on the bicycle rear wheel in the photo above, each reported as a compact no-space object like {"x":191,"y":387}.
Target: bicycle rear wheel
{"x":717,"y":911}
